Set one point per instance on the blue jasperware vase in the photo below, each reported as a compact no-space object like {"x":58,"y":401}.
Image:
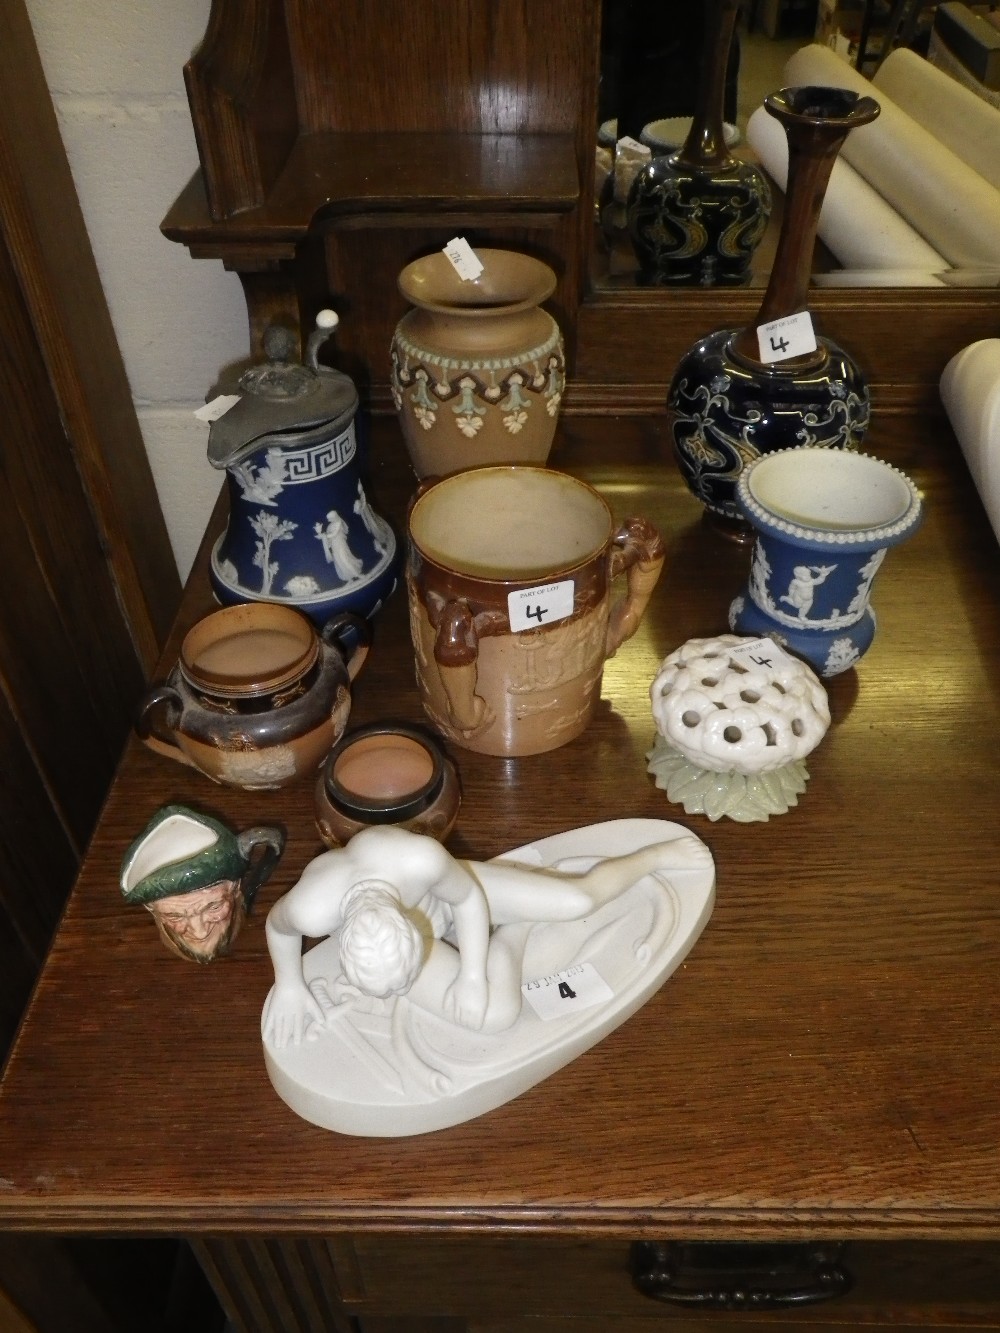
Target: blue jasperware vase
{"x":301,"y":529}
{"x":823,"y":522}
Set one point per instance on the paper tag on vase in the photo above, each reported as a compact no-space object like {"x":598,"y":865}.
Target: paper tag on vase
{"x":781,"y":339}
{"x":464,"y":259}
{"x":218,"y":407}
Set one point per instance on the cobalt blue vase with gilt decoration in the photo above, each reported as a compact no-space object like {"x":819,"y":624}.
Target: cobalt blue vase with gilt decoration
{"x":726,"y":404}
{"x":726,"y":411}
{"x":302,"y":530}
{"x":695,"y":217}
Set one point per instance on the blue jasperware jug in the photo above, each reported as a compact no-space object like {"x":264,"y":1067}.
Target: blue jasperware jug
{"x":301,"y":529}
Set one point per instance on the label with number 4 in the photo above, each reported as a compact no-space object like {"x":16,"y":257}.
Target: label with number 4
{"x":533,"y":608}
{"x":577,"y":987}
{"x":783,"y":338}
{"x":759,"y":652}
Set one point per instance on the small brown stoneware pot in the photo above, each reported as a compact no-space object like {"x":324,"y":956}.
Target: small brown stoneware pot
{"x":257,"y":697}
{"x":386,"y":774}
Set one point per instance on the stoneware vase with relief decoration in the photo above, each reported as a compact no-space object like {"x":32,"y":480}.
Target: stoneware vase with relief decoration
{"x":478,"y":369}
{"x":696,"y":216}
{"x":727,"y":403}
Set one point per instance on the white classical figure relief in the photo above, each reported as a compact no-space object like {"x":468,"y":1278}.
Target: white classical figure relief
{"x":804,"y":582}
{"x":333,"y":538}
{"x":868,"y":571}
{"x":447,"y":987}
{"x":378,"y":528}
{"x":760,"y":572}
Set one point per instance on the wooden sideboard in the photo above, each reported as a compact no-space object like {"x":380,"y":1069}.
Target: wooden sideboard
{"x":321,"y":177}
{"x":821,"y":1069}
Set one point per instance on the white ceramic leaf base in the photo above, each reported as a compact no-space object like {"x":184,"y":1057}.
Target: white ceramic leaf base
{"x":386,"y":1068}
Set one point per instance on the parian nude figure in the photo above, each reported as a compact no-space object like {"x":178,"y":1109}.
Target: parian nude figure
{"x":389,"y":891}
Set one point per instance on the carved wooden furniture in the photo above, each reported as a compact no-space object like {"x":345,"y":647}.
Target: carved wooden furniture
{"x":822,"y":1068}
{"x":338,"y":142}
{"x":90,"y":585}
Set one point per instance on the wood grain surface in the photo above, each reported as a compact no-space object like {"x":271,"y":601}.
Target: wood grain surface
{"x":823,"y":1063}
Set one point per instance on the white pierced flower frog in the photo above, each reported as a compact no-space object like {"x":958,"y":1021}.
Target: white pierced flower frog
{"x":736,"y":719}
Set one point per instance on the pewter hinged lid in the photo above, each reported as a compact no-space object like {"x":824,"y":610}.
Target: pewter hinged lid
{"x":281,"y":396}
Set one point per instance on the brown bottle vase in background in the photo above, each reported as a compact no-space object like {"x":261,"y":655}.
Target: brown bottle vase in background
{"x":726,"y":404}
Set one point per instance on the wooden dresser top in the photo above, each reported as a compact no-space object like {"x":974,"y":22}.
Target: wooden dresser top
{"x":824,"y":1063}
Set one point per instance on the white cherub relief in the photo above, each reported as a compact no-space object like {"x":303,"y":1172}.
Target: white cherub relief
{"x":806,"y":578}
{"x":388,"y":889}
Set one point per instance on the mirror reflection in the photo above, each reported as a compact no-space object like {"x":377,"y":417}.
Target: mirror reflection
{"x":914,"y":198}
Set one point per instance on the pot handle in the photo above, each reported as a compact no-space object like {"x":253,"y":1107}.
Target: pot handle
{"x":636,"y":549}
{"x":351,"y":636}
{"x":149,"y":730}
{"x":258,"y":870}
{"x":456,"y":652}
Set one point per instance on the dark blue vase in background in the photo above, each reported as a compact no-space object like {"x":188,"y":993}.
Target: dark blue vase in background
{"x":727,"y":405}
{"x":696,"y":216}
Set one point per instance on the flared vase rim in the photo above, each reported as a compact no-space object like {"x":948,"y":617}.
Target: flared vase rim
{"x":767,"y":520}
{"x":860,"y":108}
{"x":537,"y":285}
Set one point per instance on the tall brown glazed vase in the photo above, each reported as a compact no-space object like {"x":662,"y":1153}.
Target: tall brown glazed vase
{"x":696,"y":216}
{"x":727,"y":405}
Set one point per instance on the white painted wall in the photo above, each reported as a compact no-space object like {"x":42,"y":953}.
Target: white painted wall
{"x":114,"y":68}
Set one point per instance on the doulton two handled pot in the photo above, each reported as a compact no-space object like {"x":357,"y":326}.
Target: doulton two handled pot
{"x":511,"y":578}
{"x":301,"y":531}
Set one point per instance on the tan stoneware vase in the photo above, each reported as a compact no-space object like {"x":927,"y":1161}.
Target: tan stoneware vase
{"x":478,"y":369}
{"x":258,"y":696}
{"x":509,"y":581}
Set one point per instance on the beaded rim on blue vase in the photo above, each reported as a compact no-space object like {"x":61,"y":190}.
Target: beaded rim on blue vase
{"x":763,"y":517}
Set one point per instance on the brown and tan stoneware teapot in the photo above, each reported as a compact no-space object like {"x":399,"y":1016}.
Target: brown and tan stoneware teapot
{"x":258,"y":696}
